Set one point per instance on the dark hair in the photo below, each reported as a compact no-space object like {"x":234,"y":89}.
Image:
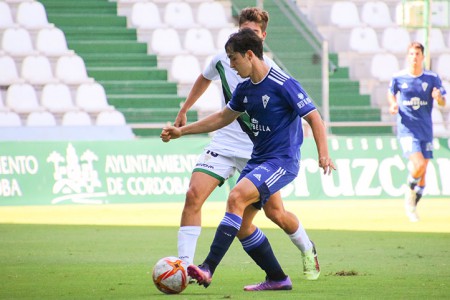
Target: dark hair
{"x":417,"y":45}
{"x":244,"y":40}
{"x":254,"y":14}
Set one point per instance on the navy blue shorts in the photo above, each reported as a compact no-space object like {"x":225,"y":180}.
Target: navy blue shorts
{"x":268,"y":177}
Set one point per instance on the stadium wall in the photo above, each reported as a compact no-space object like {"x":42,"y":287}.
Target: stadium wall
{"x":149,"y":171}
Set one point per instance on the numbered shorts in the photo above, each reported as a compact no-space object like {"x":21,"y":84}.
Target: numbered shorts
{"x":268,"y":177}
{"x":412,"y":145}
{"x":219,"y":166}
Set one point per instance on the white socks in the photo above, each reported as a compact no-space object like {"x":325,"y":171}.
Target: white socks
{"x":187,"y":242}
{"x":301,"y":239}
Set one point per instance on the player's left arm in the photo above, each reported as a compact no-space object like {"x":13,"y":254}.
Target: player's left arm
{"x":437,"y":95}
{"x":320,"y":136}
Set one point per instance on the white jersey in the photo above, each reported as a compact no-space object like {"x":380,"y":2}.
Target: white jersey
{"x":231,"y":140}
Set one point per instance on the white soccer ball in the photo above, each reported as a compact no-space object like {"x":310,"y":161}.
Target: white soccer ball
{"x":170,"y":275}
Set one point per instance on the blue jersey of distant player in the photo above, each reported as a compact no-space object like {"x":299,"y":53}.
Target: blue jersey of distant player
{"x":275,"y":106}
{"x":415,"y":103}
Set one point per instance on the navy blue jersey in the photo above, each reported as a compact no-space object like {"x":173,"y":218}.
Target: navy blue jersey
{"x":275,"y":106}
{"x":415,"y":103}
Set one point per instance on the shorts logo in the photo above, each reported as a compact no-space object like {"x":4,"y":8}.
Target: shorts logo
{"x":257,"y":176}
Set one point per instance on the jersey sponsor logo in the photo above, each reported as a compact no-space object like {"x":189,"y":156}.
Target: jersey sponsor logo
{"x":245,"y":99}
{"x":265,"y":100}
{"x":257,"y":128}
{"x":415,"y":103}
{"x":303,"y":100}
{"x":404,"y":85}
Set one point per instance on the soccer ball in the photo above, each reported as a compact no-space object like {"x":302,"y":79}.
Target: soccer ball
{"x":170,"y":275}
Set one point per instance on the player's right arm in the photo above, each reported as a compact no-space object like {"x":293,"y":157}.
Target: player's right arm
{"x":393,"y":105}
{"x":199,"y":87}
{"x":209,"y":124}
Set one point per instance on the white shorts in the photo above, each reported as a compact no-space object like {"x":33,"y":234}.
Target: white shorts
{"x":219,"y":166}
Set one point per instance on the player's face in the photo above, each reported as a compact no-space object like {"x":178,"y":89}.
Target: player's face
{"x":255,"y":27}
{"x":240,"y":63}
{"x":415,"y":57}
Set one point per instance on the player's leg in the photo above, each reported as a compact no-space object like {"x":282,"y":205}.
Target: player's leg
{"x":211,"y":170}
{"x":200,"y":187}
{"x":257,"y":246}
{"x":275,"y":211}
{"x":420,"y":187}
{"x":242,"y":195}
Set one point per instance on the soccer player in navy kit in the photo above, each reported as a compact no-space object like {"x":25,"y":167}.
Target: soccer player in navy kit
{"x":275,"y":104}
{"x":417,"y":89}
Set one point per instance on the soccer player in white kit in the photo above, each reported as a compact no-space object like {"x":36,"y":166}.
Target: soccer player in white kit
{"x":416,"y":90}
{"x":275,"y":103}
{"x":228,"y":152}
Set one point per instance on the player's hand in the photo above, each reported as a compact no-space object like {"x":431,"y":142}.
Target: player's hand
{"x":326,"y":164}
{"x":169,"y":133}
{"x":436,"y":93}
{"x":180,"y":120}
{"x":393,"y":108}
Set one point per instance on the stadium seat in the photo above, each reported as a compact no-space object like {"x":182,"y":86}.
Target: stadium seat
{"x":10,"y":119}
{"x":2,"y":104}
{"x":344,"y":14}
{"x":52,"y":42}
{"x":179,"y":15}
{"x":6,"y":17}
{"x":57,"y":98}
{"x":383,"y":66}
{"x":37,"y":70}
{"x":184,"y":67}
{"x":17,"y":42}
{"x":145,"y":15}
{"x":364,"y":40}
{"x":436,"y":42}
{"x":8,"y":71}
{"x":166,"y":41}
{"x":376,"y":14}
{"x":76,"y":118}
{"x":212,"y":15}
{"x":91,"y":97}
{"x":443,"y":67}
{"x":199,"y":41}
{"x":32,"y":15}
{"x":71,"y":69}
{"x":40,"y":119}
{"x":395,"y":39}
{"x":223,"y":36}
{"x":22,"y":98}
{"x":110,"y":118}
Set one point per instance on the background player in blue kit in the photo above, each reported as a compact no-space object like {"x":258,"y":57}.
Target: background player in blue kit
{"x":416,"y":89}
{"x":275,"y":104}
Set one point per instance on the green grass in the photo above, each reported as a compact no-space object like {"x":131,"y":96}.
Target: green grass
{"x":115,"y":262}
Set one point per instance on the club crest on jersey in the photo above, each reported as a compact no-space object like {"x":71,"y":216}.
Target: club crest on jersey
{"x":245,"y":99}
{"x":404,"y":85}
{"x":257,"y":128}
{"x":424,"y":86}
{"x":265,"y":100}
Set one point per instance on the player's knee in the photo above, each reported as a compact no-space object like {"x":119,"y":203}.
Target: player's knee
{"x":235,"y":202}
{"x":193,"y":199}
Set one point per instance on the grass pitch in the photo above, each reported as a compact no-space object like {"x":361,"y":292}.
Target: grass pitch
{"x":115,"y":262}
